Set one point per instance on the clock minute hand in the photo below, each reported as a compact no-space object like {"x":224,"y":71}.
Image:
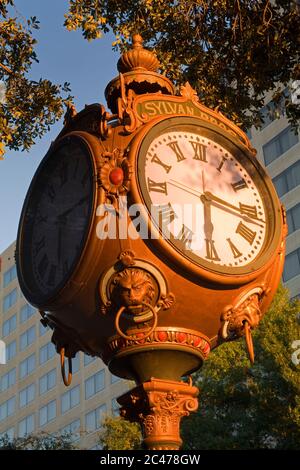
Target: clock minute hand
{"x":243,"y":211}
{"x":185,"y":188}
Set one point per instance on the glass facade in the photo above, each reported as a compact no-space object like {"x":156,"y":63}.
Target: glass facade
{"x":7,"y":408}
{"x":70,"y":399}
{"x":94,"y":418}
{"x":26,"y":395}
{"x":47,"y":352}
{"x":9,"y":300}
{"x":72,"y":429}
{"x":288,"y":179}
{"x":11,"y":350}
{"x":27,"y":338}
{"x":27,"y":366}
{"x":47,"y":413}
{"x":26,"y":426}
{"x":279,"y":145}
{"x":9,"y":275}
{"x":94,"y":384}
{"x":26,"y":312}
{"x":8,"y":380}
{"x":47,"y":381}
{"x":293,"y":218}
{"x":9,"y":326}
{"x":291,"y":265}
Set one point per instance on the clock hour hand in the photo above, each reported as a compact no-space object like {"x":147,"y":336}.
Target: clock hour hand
{"x":208,"y":225}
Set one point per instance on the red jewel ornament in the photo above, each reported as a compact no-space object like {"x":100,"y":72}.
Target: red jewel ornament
{"x":116,"y":176}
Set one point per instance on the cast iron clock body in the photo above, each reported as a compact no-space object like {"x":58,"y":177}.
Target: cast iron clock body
{"x":56,"y":219}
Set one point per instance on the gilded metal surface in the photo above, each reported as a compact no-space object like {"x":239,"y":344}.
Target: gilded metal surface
{"x":159,"y":406}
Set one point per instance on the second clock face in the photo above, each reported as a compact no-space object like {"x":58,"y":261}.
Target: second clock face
{"x":56,"y":219}
{"x":210,"y":203}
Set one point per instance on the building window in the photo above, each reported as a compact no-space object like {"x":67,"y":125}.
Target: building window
{"x":9,"y":300}
{"x":76,"y":363}
{"x":26,"y":395}
{"x":11,"y":350}
{"x":88,"y":359}
{"x":279,"y":145}
{"x":94,"y":418}
{"x":9,"y":434}
{"x":114,"y":379}
{"x":7,"y":408}
{"x":47,"y":413}
{"x":288,"y":179}
{"x":293,"y":218}
{"x":9,"y":275}
{"x":72,"y":430}
{"x":26,"y":426}
{"x":94,"y":384}
{"x":27,"y":338}
{"x":8,"y":379}
{"x":43,"y":329}
{"x":70,"y":399}
{"x":115,"y":407}
{"x":9,"y":326}
{"x":291,"y":265}
{"x":47,"y":352}
{"x":47,"y":381}
{"x":27,"y":366}
{"x":26,"y":312}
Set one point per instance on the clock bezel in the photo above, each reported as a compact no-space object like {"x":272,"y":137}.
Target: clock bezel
{"x":206,"y":270}
{"x":34,"y":296}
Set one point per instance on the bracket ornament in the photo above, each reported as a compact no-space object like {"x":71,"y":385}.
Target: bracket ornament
{"x":239,"y":320}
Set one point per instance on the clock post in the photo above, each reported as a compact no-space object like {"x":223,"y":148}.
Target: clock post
{"x":149,"y":236}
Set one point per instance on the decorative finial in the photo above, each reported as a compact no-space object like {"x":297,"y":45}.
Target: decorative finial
{"x":137,"y":41}
{"x":138,"y":58}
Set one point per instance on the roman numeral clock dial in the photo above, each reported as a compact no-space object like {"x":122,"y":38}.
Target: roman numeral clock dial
{"x":55,"y":219}
{"x":209,"y":199}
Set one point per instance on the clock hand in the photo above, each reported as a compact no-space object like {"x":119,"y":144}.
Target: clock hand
{"x":215,"y":199}
{"x":208,"y":226}
{"x":184,"y":188}
{"x":68,"y":211}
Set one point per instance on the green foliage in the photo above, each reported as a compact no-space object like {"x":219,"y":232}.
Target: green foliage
{"x":40,"y":441}
{"x":243,"y":407}
{"x":27,"y":108}
{"x":232,"y":53}
{"x":119,"y":434}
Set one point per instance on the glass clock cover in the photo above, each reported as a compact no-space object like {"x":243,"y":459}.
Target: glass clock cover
{"x":55,"y":219}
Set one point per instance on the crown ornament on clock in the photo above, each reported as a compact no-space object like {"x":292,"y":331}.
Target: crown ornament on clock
{"x":138,"y":67}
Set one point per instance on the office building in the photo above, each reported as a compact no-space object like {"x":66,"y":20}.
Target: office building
{"x":33,"y":397}
{"x":278,"y":148}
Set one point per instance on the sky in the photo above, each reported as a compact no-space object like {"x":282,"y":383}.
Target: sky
{"x":64,"y":56}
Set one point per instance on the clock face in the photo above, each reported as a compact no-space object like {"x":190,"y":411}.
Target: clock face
{"x":56,"y":219}
{"x":206,"y":197}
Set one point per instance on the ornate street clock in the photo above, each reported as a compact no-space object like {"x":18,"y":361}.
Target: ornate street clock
{"x":148,"y":237}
